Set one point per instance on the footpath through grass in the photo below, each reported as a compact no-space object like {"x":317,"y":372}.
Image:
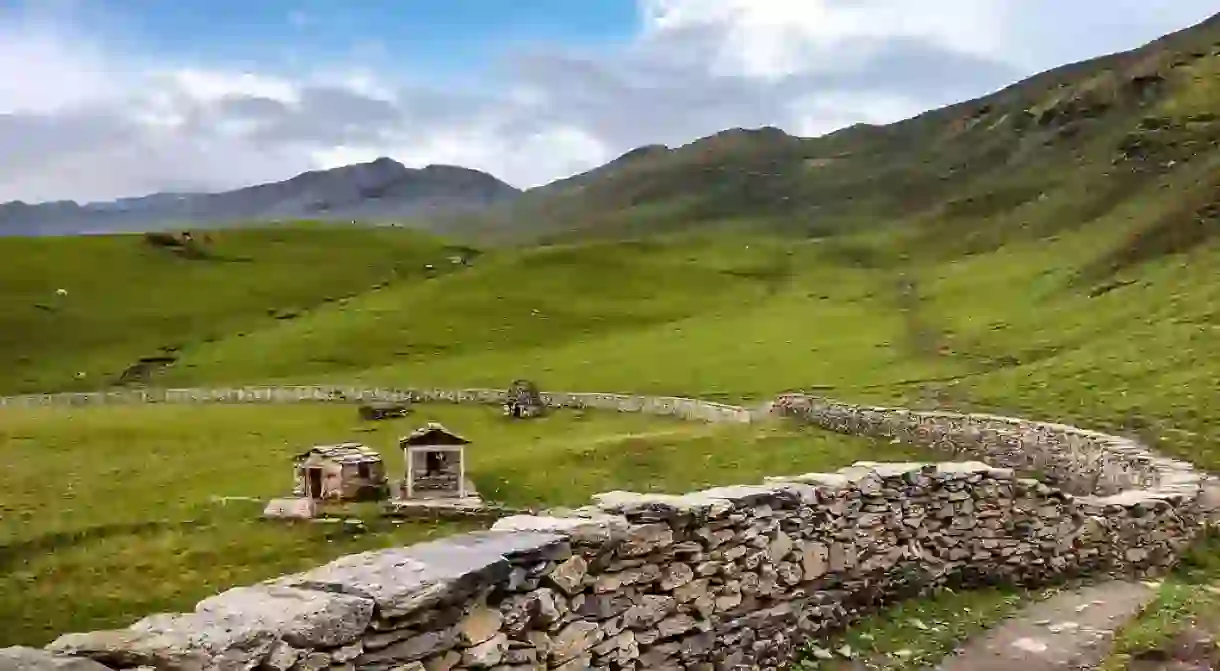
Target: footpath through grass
{"x":1186,"y":611}
{"x":916,"y":634}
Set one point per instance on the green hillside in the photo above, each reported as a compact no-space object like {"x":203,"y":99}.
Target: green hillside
{"x":191,"y":481}
{"x":132,"y":296}
{"x":1047,"y":154}
{"x":1048,"y":251}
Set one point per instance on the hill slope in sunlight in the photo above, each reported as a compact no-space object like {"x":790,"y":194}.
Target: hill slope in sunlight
{"x":1046,"y":154}
{"x":80,"y":312}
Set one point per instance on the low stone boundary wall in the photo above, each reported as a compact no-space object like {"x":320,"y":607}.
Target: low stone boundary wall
{"x":685,"y":408}
{"x":727,"y":578}
{"x":1080,"y":461}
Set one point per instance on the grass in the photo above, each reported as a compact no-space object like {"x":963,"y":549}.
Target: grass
{"x":708,"y":317}
{"x":524,"y":302}
{"x":110,"y":513}
{"x":916,"y":634}
{"x":719,"y":317}
{"x":128,"y":299}
{"x":1064,"y":263}
{"x":1189,"y":600}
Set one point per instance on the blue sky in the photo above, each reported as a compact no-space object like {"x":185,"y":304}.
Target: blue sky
{"x":108,"y":98}
{"x":441,"y":38}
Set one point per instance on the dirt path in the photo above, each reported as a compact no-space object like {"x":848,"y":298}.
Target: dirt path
{"x":1069,"y":632}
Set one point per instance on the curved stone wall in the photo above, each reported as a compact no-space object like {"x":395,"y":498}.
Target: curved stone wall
{"x":1082,"y":462}
{"x":726,"y":578}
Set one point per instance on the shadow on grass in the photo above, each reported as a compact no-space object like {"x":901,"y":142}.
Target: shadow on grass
{"x":14,"y":554}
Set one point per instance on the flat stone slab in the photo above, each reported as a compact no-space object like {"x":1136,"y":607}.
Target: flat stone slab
{"x":291,"y":509}
{"x":1073,"y":630}
{"x":597,"y":529}
{"x":469,"y":502}
{"x":404,"y":580}
{"x":303,"y":618}
{"x":439,"y":508}
{"x":441,"y":495}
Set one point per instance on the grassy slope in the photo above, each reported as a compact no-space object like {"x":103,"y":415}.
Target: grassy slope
{"x":127,"y":299}
{"x":1052,"y":139}
{"x":1009,"y":326}
{"x":110,"y":513}
{"x":1062,"y":235}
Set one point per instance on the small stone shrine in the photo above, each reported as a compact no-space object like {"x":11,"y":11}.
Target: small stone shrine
{"x":435,"y":464}
{"x":345,"y":472}
{"x":522,"y":400}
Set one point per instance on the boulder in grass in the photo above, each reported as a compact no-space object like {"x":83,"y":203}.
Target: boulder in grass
{"x":371,"y":412}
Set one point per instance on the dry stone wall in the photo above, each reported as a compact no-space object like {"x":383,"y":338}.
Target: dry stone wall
{"x":727,"y":578}
{"x":685,"y":408}
{"x":1080,"y":461}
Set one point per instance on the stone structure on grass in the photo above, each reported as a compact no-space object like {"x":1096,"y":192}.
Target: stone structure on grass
{"x":435,"y":460}
{"x":300,"y":508}
{"x":344,"y":472}
{"x":1080,"y":461}
{"x":727,"y":578}
{"x":672,"y":406}
{"x":522,"y":400}
{"x":379,"y":410}
{"x":435,"y":482}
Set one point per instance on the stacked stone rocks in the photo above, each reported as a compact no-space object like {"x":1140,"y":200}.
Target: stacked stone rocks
{"x":728,"y":578}
{"x":1080,"y":461}
{"x":683,"y":408}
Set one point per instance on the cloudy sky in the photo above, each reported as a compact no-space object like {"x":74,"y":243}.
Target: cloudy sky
{"x":108,"y":98}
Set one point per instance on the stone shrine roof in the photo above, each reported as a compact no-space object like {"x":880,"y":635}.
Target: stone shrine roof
{"x":344,"y":453}
{"x":432,"y":434}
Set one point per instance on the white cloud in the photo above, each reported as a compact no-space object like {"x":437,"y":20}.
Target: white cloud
{"x":45,"y":69}
{"x":777,"y":38}
{"x":533,"y":159}
{"x":84,"y":118}
{"x":212,"y":85}
{"x":818,"y":114}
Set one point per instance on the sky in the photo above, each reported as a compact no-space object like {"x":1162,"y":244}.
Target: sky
{"x":110,"y":98}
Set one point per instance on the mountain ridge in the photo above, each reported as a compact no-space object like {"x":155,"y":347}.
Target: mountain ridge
{"x":1050,"y":152}
{"x":374,"y":190}
{"x":1053,"y":151}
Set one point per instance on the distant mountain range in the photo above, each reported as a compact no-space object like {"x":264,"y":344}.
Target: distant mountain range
{"x":1040,"y":157}
{"x":379,"y":190}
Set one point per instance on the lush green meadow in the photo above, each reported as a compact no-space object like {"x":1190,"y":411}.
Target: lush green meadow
{"x":1049,"y":251}
{"x":1013,"y":330}
{"x":113,"y":512}
{"x":126,"y":298}
{"x":110,"y":513}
